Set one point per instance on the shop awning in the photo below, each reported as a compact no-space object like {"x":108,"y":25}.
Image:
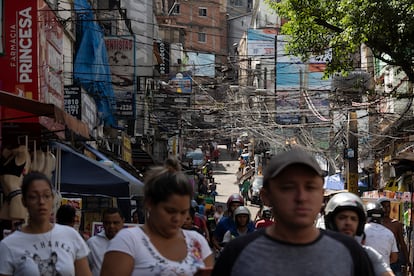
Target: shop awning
{"x":42,"y":109}
{"x":82,"y":175}
{"x":136,"y":187}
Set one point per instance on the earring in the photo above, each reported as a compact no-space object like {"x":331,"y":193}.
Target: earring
{"x":147,"y":214}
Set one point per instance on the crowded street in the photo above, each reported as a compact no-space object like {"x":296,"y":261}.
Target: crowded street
{"x":225,"y":174}
{"x":206,"y":138}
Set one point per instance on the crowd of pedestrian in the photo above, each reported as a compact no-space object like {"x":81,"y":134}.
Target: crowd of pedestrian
{"x":182,"y":234}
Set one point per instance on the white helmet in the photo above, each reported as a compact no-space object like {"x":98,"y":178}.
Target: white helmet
{"x":241,"y":210}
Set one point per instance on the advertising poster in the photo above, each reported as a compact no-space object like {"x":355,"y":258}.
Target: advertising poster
{"x":121,"y":55}
{"x":181,"y":84}
{"x":287,"y":107}
{"x":201,"y":64}
{"x":89,"y":218}
{"x":1,"y":28}
{"x":19,"y":65}
{"x":73,"y":101}
{"x":301,"y":87}
{"x":32,"y":63}
{"x":162,"y":57}
{"x":261,"y":42}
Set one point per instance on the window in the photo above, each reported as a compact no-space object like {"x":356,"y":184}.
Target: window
{"x":108,"y":27}
{"x":202,"y":37}
{"x":175,"y":9}
{"x":238,"y":3}
{"x":202,"y":11}
{"x":250,"y":5}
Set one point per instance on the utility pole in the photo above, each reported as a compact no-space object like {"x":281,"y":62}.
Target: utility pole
{"x":275,"y":76}
{"x":352,"y":153}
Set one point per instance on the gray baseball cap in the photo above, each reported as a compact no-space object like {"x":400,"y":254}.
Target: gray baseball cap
{"x":282,"y":160}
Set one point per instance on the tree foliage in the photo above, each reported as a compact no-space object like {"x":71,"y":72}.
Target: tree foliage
{"x":386,"y":26}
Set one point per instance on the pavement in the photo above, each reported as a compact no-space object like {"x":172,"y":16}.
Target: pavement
{"x":224,"y":175}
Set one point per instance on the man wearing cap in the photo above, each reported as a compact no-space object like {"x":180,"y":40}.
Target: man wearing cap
{"x":293,"y":187}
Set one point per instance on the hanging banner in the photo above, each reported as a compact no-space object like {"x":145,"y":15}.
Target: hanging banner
{"x":19,"y":65}
{"x":181,"y":84}
{"x":121,"y":55}
{"x":32,"y":63}
{"x":73,"y":101}
{"x":1,"y":28}
{"x":162,"y":56}
{"x":126,"y":149}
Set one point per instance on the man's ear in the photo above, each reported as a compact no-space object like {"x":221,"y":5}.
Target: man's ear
{"x":264,"y":196}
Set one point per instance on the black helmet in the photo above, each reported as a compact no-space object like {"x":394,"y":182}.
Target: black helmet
{"x":266,"y":213}
{"x":383,"y":199}
{"x":341,"y":202}
{"x":375,"y":212}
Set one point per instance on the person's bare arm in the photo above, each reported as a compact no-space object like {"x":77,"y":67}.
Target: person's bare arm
{"x":82,"y":267}
{"x":400,"y":240}
{"x":206,"y":271}
{"x":215,"y":243}
{"x":388,"y":273}
{"x":206,"y":231}
{"x":209,"y":261}
{"x":393,"y":257}
{"x":117,"y":263}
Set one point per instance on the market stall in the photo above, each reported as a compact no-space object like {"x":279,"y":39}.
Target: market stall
{"x":98,"y":185}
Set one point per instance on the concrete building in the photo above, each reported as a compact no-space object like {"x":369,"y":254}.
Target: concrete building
{"x":199,"y":25}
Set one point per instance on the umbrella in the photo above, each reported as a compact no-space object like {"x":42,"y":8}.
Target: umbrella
{"x":334,"y":182}
{"x":337,"y":182}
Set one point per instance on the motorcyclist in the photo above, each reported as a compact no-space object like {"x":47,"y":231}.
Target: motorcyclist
{"x":345,"y":213}
{"x":227,"y":223}
{"x":266,"y":219}
{"x":241,"y":217}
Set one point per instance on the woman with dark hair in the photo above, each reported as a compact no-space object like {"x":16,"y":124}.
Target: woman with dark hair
{"x":172,"y":164}
{"x":66,"y":215}
{"x":160,"y":246}
{"x":29,"y":250}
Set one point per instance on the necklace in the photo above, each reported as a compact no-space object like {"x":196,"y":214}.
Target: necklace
{"x":31,"y":230}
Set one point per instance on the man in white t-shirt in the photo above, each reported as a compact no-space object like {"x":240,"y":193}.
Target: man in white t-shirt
{"x":113,"y":222}
{"x":378,"y":236}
